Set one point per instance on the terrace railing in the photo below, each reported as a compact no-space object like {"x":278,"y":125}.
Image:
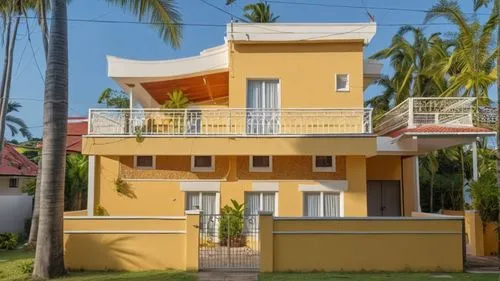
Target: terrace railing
{"x":229,"y":122}
{"x":425,"y":111}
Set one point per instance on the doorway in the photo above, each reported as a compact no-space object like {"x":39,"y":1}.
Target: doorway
{"x":384,"y":199}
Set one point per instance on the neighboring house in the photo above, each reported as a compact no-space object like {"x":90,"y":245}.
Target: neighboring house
{"x":276,"y":120}
{"x":15,"y":206}
{"x":77,"y":127}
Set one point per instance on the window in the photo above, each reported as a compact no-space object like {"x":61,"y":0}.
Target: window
{"x":204,"y":201}
{"x":263,"y":103}
{"x":256,"y":202}
{"x":144,"y":162}
{"x":322,"y":204}
{"x":342,"y":82}
{"x":202,"y":163}
{"x":13,"y":183}
{"x":261,"y":164}
{"x":323,"y":163}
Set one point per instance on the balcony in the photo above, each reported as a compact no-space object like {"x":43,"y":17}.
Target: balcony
{"x":415,"y":112}
{"x":199,"y":122}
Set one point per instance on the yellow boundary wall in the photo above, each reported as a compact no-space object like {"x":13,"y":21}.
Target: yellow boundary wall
{"x":131,"y":243}
{"x":358,"y":244}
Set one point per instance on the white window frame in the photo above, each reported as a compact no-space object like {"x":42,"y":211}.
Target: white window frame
{"x":322,"y":202}
{"x":347,"y":89}
{"x":261,"y":200}
{"x":202,"y":169}
{"x":217,"y":200}
{"x":333,"y":168}
{"x":17,"y":182}
{"x":260,"y":169}
{"x":145,"y":168}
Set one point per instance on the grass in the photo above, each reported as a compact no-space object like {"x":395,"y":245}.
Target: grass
{"x":376,"y":276}
{"x":10,"y":270}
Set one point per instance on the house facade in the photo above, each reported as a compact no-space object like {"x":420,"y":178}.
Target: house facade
{"x":275,"y":120}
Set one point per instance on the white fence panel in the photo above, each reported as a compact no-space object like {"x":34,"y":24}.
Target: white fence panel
{"x":14,"y":209}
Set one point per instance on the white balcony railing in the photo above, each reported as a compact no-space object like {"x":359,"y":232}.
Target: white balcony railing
{"x":230,"y":122}
{"x":425,"y":111}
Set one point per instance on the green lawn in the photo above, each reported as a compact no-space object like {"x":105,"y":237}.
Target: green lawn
{"x":10,"y":271}
{"x":376,"y":276}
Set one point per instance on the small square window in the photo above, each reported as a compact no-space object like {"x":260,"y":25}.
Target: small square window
{"x":13,"y":183}
{"x":144,"y":162}
{"x":324,"y":163}
{"x":261,"y":164}
{"x":342,"y":82}
{"x":202,"y":163}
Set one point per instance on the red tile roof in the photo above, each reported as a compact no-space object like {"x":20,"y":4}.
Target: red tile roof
{"x":77,"y":126}
{"x":16,"y":164}
{"x":438,"y":129}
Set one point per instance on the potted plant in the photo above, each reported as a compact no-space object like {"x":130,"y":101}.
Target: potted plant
{"x":231,"y":225}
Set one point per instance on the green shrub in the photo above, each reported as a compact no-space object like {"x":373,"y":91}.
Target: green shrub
{"x":8,"y":241}
{"x":26,"y":266}
{"x":485,"y":193}
{"x":27,"y":226}
{"x":231,"y":224}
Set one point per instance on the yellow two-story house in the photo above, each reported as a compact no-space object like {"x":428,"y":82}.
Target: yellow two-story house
{"x":275,"y":120}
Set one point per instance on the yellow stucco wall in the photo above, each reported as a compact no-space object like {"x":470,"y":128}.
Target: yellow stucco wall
{"x":87,"y":247}
{"x":355,"y":200}
{"x":306,"y":72}
{"x":364,"y":245}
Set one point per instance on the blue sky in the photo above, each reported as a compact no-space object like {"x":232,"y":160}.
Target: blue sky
{"x":89,"y":43}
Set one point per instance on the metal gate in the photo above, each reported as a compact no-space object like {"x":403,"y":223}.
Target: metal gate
{"x":229,"y":243}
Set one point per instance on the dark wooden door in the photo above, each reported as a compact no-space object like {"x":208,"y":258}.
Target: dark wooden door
{"x":384,"y":199}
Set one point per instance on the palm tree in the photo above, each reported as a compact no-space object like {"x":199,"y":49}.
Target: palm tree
{"x":412,"y":61}
{"x":15,"y":124}
{"x":49,"y":260}
{"x":472,"y":64}
{"x":176,"y":99}
{"x":259,"y":12}
{"x":430,"y":164}
{"x":76,"y":180}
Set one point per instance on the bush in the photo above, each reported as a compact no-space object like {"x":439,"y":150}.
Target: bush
{"x":8,"y":241}
{"x":27,"y":226}
{"x":26,"y":266}
{"x":485,"y":193}
{"x":231,"y":225}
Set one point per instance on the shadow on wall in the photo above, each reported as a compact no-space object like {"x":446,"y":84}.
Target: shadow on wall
{"x":100,"y":252}
{"x":124,"y":188}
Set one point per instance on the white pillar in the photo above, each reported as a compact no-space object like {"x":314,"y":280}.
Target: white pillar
{"x":131,"y":98}
{"x":417,"y":184}
{"x":475,"y":174}
{"x":90,"y":190}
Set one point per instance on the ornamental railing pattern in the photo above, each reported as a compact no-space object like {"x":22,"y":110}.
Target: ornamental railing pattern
{"x":426,"y":111}
{"x":229,"y":122}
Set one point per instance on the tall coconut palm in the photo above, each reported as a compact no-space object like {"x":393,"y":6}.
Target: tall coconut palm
{"x":472,"y":64}
{"x":259,"y":12}
{"x":496,"y":11}
{"x":76,"y":180}
{"x":430,"y":164}
{"x":49,"y":258}
{"x":15,"y":124}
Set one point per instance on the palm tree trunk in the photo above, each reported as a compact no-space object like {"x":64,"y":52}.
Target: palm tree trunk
{"x":49,"y":258}
{"x":496,"y":6}
{"x":6,"y":55}
{"x":36,"y":208}
{"x":43,"y":28}
{"x":6,"y":86}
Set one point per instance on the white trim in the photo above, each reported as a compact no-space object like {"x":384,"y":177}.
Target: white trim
{"x":125,"y":232}
{"x":442,"y":217}
{"x":325,"y":186}
{"x":203,"y":169}
{"x":90,"y":185}
{"x":365,"y":232}
{"x":124,"y":218}
{"x":342,"y":90}
{"x":251,"y":168}
{"x":341,"y":212}
{"x":202,"y":186}
{"x":300,"y":32}
{"x":145,"y":168}
{"x":175,"y":180}
{"x":333,"y":168}
{"x":265,"y":186}
{"x":276,"y":203}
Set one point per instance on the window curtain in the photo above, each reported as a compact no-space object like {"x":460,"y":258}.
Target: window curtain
{"x":332,"y":204}
{"x":312,"y":204}
{"x":252,"y":203}
{"x":262,"y":96}
{"x":193,"y":201}
{"x":208,"y":203}
{"x":268,"y":204}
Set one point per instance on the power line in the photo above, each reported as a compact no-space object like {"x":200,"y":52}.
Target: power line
{"x":360,"y":7}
